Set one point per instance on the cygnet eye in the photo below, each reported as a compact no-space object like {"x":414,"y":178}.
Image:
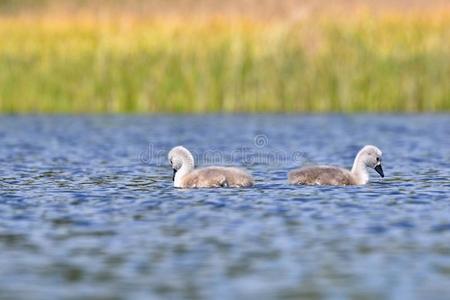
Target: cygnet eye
{"x":378,"y":159}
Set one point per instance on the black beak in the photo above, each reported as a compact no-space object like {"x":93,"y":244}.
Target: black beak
{"x":173,"y":176}
{"x":379,"y":170}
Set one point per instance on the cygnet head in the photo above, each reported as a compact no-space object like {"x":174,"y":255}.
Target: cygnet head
{"x":370,"y":156}
{"x":180,"y":157}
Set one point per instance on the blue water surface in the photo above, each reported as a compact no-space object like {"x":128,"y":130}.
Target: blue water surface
{"x":88,"y":210}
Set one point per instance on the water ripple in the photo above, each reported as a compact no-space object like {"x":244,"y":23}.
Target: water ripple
{"x":88,"y":210}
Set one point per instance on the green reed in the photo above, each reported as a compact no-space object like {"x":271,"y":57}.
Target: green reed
{"x":363,"y":64}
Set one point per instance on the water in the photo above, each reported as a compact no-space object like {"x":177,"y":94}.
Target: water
{"x":87,"y":209}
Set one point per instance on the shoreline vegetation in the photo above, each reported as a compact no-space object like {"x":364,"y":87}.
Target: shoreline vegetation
{"x":58,"y":59}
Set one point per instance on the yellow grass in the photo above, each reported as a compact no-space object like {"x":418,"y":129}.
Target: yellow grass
{"x":389,"y":61}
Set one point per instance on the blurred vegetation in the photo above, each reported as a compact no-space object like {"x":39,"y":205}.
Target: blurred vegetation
{"x":384,"y":62}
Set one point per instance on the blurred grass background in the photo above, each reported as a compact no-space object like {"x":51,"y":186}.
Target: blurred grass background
{"x":224,"y":56}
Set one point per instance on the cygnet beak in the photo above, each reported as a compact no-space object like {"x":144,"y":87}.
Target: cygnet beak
{"x":379,"y":170}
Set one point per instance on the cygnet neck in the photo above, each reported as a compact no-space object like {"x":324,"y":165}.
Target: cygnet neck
{"x":186,"y":167}
{"x":359,"y":169}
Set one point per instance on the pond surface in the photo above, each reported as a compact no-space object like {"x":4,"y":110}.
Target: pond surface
{"x":88,"y":210}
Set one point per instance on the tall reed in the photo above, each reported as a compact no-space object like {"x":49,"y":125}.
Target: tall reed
{"x":385,"y":63}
